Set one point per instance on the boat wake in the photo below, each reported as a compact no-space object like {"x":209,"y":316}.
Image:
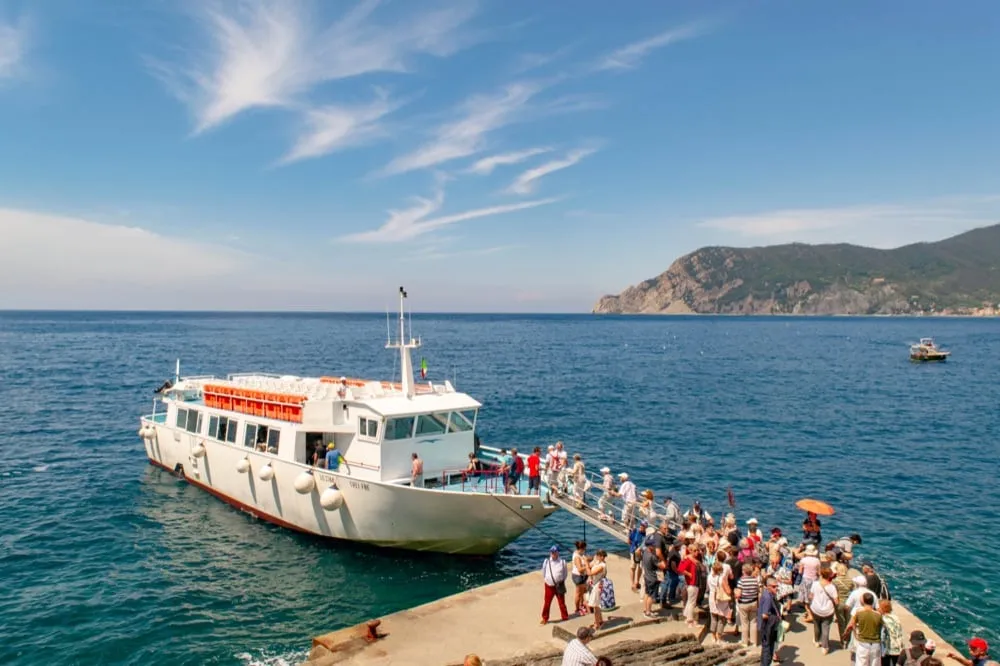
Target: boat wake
{"x":264,"y":658}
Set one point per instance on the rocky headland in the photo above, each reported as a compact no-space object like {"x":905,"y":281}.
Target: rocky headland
{"x":955,"y":276}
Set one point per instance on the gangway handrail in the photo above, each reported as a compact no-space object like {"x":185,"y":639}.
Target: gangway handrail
{"x":595,"y":493}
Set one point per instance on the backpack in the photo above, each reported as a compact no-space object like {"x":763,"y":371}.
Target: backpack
{"x":518,"y":465}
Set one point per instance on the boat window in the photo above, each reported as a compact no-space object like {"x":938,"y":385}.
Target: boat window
{"x":231,"y":431}
{"x":272,"y":439}
{"x":367,"y":427}
{"x":399,"y":428}
{"x":182,"y":415}
{"x":250,"y":435}
{"x":432,"y":424}
{"x":462,"y":421}
{"x":213,"y":427}
{"x":193,"y":421}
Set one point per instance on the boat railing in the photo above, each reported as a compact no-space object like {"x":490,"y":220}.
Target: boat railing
{"x":488,"y":480}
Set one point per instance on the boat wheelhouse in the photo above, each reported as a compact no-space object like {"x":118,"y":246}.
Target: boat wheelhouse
{"x":927,"y":350}
{"x":261,"y":443}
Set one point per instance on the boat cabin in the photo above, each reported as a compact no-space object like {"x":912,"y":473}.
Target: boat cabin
{"x":376,"y":428}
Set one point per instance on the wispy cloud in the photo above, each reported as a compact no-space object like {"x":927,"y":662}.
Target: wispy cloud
{"x":486,"y":165}
{"x":527,"y":181}
{"x":631,"y":55}
{"x":334,"y":127}
{"x":529,"y":61}
{"x":433,"y":253}
{"x":875,"y":225}
{"x":480,"y":115}
{"x":414,"y":221}
{"x":13,"y":44}
{"x":270,"y":53}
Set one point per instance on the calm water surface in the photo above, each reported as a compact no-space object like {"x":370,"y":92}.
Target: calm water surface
{"x":104,"y":560}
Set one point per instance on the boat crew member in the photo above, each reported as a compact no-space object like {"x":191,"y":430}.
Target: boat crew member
{"x":417,"y":472}
{"x":342,"y":389}
{"x":333,"y":456}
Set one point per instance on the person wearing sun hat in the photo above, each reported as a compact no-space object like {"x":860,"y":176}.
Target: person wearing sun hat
{"x":627,"y":492}
{"x":554,"y":576}
{"x":916,"y":653}
{"x":608,"y":489}
{"x":980,"y":651}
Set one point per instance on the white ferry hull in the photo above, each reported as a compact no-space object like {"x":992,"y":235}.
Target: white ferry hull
{"x":376,"y":513}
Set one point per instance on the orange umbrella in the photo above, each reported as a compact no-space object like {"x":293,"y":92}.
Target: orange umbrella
{"x":817,"y":507}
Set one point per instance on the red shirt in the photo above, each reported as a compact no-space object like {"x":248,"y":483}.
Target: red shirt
{"x":533,"y":462}
{"x":687,"y":567}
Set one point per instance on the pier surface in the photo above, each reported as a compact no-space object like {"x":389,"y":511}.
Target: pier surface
{"x":501,"y":621}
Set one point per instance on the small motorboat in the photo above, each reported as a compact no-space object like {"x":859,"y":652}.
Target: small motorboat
{"x":926,"y":350}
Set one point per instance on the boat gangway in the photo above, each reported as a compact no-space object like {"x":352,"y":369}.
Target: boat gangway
{"x":588,"y":503}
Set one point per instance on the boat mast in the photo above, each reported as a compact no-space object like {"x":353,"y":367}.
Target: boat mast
{"x":405,"y":361}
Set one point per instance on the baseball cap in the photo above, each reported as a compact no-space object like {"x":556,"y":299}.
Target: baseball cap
{"x":977,"y":643}
{"x":917,"y":637}
{"x":930,"y":646}
{"x":554,"y":549}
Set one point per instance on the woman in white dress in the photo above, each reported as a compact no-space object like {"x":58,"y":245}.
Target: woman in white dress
{"x":598,"y":572}
{"x":720,"y":601}
{"x":579,"y":477}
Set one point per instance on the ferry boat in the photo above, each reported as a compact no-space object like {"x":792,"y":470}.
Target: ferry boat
{"x":249,"y":439}
{"x":926,"y":350}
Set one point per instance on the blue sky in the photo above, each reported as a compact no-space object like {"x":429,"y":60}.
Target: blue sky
{"x":491,"y":156}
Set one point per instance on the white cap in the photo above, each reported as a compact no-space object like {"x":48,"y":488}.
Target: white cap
{"x":752,"y":521}
{"x":623,"y":475}
{"x":605,"y":470}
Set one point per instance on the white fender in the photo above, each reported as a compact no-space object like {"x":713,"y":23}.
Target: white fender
{"x":266,"y":473}
{"x":304,"y":482}
{"x":243,"y":466}
{"x":198,"y":451}
{"x":331,"y":499}
{"x":142,"y":432}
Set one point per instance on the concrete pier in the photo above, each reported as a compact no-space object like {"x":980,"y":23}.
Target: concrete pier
{"x":500,"y":622}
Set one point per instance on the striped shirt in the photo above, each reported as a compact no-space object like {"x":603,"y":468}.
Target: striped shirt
{"x":577,"y":654}
{"x":749,"y":588}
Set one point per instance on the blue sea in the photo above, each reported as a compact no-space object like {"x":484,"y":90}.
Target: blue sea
{"x":106,"y":560}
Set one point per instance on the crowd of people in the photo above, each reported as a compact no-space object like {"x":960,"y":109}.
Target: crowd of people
{"x":732,"y":579}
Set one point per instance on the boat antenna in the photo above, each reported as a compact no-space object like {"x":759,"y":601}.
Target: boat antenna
{"x":404,"y":346}
{"x":388,"y":330}
{"x":177,"y":372}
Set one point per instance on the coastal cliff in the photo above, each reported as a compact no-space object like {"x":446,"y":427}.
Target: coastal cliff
{"x":956,"y":276}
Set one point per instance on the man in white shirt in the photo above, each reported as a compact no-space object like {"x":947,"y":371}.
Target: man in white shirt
{"x":554,"y":578}
{"x":577,"y":653}
{"x":628,"y":494}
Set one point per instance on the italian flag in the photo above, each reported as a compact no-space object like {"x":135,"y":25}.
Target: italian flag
{"x":423,"y":368}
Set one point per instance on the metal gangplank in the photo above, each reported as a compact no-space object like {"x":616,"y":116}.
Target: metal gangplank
{"x":583,"y":502}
